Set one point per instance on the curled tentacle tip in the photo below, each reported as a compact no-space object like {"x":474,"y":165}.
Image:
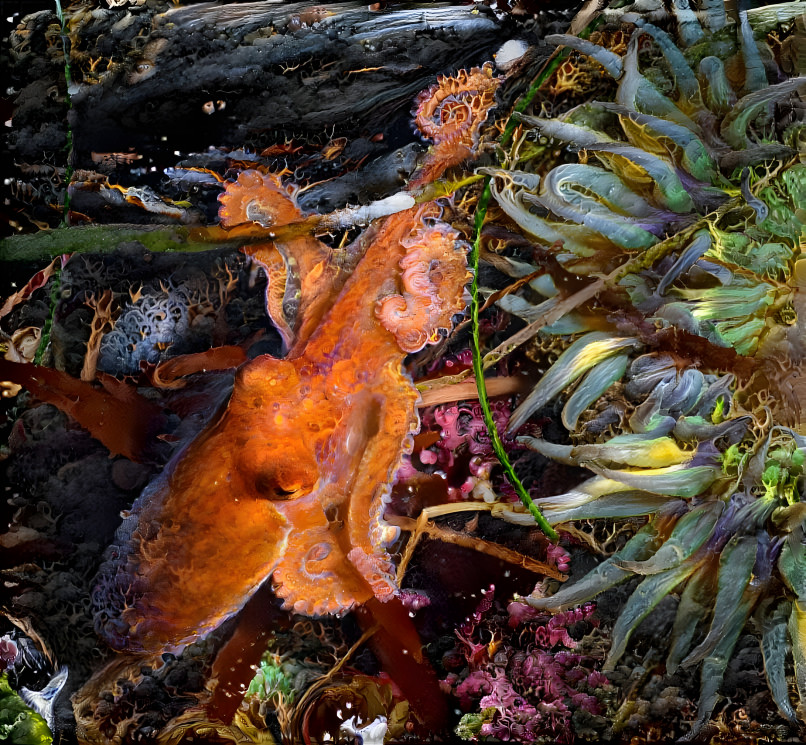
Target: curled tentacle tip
{"x":455,"y":107}
{"x":434,"y":278}
{"x":259,"y":198}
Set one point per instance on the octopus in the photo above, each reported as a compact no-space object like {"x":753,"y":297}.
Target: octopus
{"x":290,"y":480}
{"x":286,"y":486}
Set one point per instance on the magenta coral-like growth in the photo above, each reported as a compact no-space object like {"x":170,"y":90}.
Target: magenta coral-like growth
{"x":526,"y":680}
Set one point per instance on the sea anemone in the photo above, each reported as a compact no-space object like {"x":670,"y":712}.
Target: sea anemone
{"x":684,"y":210}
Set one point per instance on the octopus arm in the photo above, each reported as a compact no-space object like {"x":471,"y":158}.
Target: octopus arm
{"x":202,"y":538}
{"x":394,"y":421}
{"x":336,"y":557}
{"x":300,"y":274}
{"x":268,"y":258}
{"x":451,"y":113}
{"x":434,"y":278}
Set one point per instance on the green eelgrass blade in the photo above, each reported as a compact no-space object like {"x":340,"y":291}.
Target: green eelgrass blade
{"x":478,"y":369}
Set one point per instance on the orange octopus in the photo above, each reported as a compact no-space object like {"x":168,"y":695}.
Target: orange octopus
{"x":291,"y":480}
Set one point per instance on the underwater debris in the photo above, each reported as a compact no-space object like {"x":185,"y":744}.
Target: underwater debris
{"x":370,"y":734}
{"x":42,"y":701}
{"x":100,"y":410}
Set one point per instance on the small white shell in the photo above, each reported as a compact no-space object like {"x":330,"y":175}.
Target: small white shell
{"x":511,"y":51}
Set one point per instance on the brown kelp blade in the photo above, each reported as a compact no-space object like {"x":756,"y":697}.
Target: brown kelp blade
{"x":116,"y":415}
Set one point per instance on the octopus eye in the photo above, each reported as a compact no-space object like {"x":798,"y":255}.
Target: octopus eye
{"x":267,"y":485}
{"x":279,"y":483}
{"x":142,"y":67}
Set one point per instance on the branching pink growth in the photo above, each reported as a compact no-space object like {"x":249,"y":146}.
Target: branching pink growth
{"x":414,"y":600}
{"x":451,"y":363}
{"x":528,"y":674}
{"x":462,"y":426}
{"x":477,"y":684}
{"x":483,"y":607}
{"x":40,"y":279}
{"x":558,"y":556}
{"x":8,"y":652}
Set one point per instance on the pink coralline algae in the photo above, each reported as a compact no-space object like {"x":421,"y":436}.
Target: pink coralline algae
{"x":462,"y":432}
{"x":463,"y":425}
{"x":526,"y":683}
{"x":556,"y":554}
{"x":462,"y":445}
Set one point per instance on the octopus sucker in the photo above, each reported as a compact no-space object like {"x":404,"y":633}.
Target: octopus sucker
{"x":433,"y":280}
{"x":454,"y":108}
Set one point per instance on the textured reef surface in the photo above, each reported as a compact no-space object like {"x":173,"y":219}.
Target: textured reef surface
{"x":405,"y":373}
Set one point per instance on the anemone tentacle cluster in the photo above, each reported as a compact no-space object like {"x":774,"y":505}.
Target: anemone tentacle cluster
{"x":177,"y":318}
{"x":686,"y":205}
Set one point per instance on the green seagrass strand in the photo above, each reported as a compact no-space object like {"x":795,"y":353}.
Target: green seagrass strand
{"x":68,"y":81}
{"x":478,"y":369}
